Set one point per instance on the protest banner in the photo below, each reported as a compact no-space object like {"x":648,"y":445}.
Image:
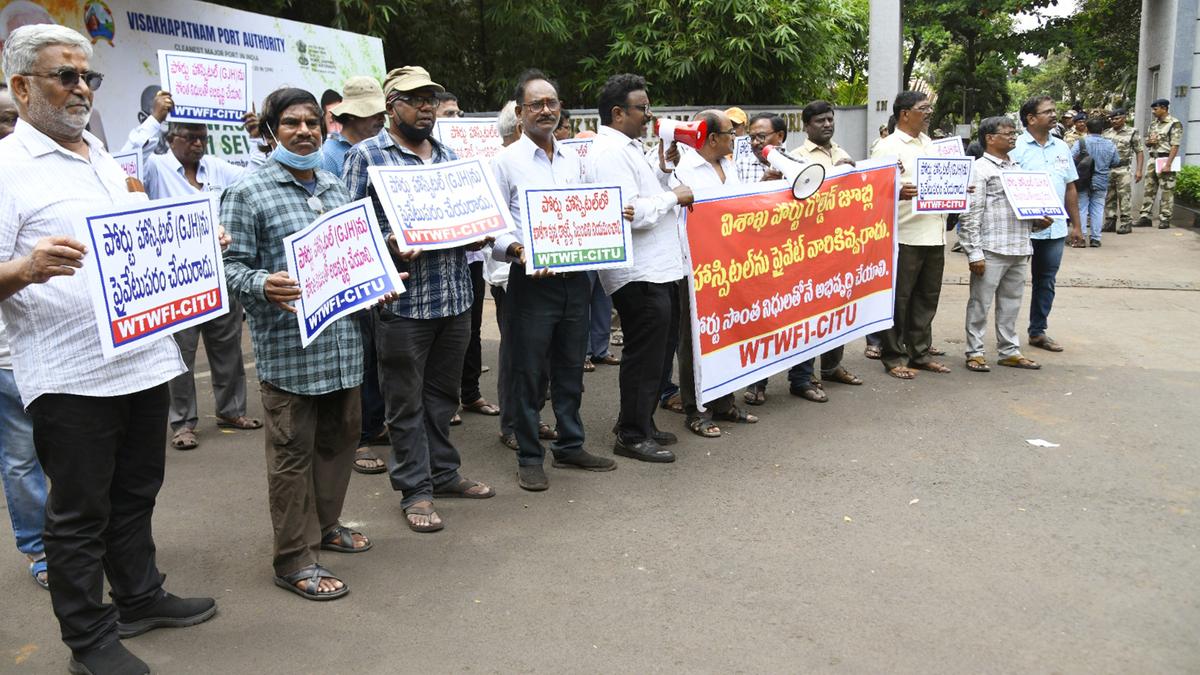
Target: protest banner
{"x":154,"y":268}
{"x":581,"y":147}
{"x":575,"y":229}
{"x":434,"y":206}
{"x":469,"y":137}
{"x":950,"y":146}
{"x":1032,"y":194}
{"x":942,"y":184}
{"x":205,"y":89}
{"x":131,"y":162}
{"x":127,"y":34}
{"x":776,"y":281}
{"x":342,"y":264}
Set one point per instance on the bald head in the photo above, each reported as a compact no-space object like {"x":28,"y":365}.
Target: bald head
{"x":719,"y":141}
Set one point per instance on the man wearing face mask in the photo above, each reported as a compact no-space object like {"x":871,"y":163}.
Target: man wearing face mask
{"x":99,"y":424}
{"x":421,"y":338}
{"x":185,"y":169}
{"x":310,"y":395}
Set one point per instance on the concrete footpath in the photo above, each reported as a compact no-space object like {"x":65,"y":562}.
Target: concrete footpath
{"x":902,"y":527}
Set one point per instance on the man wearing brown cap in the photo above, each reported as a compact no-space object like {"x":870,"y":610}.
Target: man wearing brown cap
{"x":360,"y":115}
{"x":421,"y":338}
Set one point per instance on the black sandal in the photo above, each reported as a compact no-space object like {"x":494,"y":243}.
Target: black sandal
{"x":341,"y":539}
{"x":704,"y":427}
{"x":736,"y":415}
{"x":313,"y":574}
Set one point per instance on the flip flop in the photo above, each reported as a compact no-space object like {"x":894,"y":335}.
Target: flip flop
{"x":341,"y":540}
{"x":365,"y":454}
{"x":978,"y":364}
{"x":1019,"y":361}
{"x":901,"y":373}
{"x":239,"y":422}
{"x":460,"y":489}
{"x":482,"y":407}
{"x":931,"y":366}
{"x":313,"y":574}
{"x":415,"y":510}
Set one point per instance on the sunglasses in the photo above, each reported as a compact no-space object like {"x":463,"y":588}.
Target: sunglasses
{"x":69,"y":77}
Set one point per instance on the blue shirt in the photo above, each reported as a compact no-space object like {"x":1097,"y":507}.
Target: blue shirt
{"x":439,"y":281}
{"x":1055,"y":159}
{"x":1104,"y":157}
{"x":333,"y":151}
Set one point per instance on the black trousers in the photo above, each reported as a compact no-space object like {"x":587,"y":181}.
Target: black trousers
{"x":649,"y":315}
{"x":473,"y":361}
{"x":546,"y":318}
{"x":104,"y":457}
{"x":372,"y":399}
{"x":918,"y":288}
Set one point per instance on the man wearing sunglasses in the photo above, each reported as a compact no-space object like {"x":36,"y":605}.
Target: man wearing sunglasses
{"x":99,"y":424}
{"x":421,"y":338}
{"x":187,"y":169}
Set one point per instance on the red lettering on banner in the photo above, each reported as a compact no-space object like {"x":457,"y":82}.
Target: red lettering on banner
{"x":129,"y":328}
{"x":472,"y":230}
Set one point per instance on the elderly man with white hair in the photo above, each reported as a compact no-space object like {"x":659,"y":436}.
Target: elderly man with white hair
{"x":99,"y":424}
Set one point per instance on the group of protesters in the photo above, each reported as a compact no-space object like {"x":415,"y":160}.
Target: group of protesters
{"x":400,"y":374}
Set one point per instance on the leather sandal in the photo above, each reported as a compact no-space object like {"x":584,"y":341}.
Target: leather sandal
{"x":341,"y":540}
{"x":482,"y":407}
{"x":1018,"y":361}
{"x":239,"y":422}
{"x":312,"y":576}
{"x":1045,"y":342}
{"x":978,"y":364}
{"x":844,"y":376}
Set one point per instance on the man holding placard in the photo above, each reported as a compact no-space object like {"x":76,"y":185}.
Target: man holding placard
{"x":420,"y":338}
{"x":922,"y":256}
{"x":99,"y":424}
{"x":998,"y":249}
{"x":310,"y":393}
{"x":547,"y":311}
{"x":1037,"y":150}
{"x":187,"y":169}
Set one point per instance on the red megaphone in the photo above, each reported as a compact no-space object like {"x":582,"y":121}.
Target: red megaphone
{"x":692,"y":134}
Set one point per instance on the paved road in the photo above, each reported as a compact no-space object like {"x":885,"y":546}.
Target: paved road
{"x":901,"y":527}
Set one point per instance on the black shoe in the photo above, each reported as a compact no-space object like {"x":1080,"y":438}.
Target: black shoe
{"x":1143,"y":222}
{"x":1124,"y":229}
{"x":1110,"y":227}
{"x":645,"y":451}
{"x":661,"y":437}
{"x":1095,"y":243}
{"x":532,"y":478}
{"x":111,"y":659}
{"x":1164,"y":226}
{"x":584,"y":460}
{"x":169,"y":612}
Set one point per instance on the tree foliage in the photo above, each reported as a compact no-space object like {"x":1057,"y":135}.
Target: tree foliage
{"x":703,"y":51}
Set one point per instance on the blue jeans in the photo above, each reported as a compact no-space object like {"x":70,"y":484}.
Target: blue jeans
{"x":1047,"y":256}
{"x":1091,"y":210}
{"x":600,"y":321}
{"x":24,"y":482}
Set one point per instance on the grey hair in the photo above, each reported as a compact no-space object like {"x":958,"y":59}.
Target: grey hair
{"x":23,"y":44}
{"x":993,"y":125}
{"x":506,"y":121}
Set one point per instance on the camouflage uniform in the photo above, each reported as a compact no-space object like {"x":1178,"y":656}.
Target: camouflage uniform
{"x":1071,"y":136}
{"x":1118,"y":204}
{"x":1165,"y":134}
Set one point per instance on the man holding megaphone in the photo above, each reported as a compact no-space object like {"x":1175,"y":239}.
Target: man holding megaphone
{"x":708,"y":166}
{"x":644,"y":294}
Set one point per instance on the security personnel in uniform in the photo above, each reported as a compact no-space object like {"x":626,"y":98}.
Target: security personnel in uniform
{"x":1163,"y":139}
{"x":1118,"y":203}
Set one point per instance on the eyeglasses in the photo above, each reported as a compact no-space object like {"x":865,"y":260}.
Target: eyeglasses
{"x":551,"y":104}
{"x":924,"y":109}
{"x":644,"y":108}
{"x":455,"y":113}
{"x":1006,"y":134}
{"x":419,"y":101}
{"x":69,"y":77}
{"x":1049,"y":111}
{"x":192,"y":138}
{"x":761,"y":138}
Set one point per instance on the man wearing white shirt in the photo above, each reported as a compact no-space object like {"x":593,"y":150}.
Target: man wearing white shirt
{"x":643,"y":293}
{"x":547,"y":313}
{"x":99,"y":424}
{"x":186,"y":169}
{"x":708,"y":166}
{"x":922,"y":239}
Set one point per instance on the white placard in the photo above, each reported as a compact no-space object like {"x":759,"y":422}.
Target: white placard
{"x":436,"y":206}
{"x":131,"y":162}
{"x":469,"y":137}
{"x":942,"y":184}
{"x":575,"y":228}
{"x":205,"y":89}
{"x":950,"y":146}
{"x":342,"y":265}
{"x":154,"y":269}
{"x":1032,"y":194}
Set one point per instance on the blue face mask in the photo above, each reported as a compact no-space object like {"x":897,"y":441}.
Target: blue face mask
{"x":290,"y":159}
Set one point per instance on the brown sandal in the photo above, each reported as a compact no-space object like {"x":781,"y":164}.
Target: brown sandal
{"x":482,"y":407}
{"x":931,"y":366}
{"x":978,"y":364}
{"x":674,"y":404}
{"x":902,"y":373}
{"x":844,"y":376}
{"x":419,"y":510}
{"x":1019,"y":361}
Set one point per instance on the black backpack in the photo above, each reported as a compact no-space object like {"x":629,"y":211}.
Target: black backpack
{"x":1085,"y":166}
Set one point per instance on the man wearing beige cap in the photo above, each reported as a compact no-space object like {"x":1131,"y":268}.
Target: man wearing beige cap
{"x":421,"y":338}
{"x":361,"y":115}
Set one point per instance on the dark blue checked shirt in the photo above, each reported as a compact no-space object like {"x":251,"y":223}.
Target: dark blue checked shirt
{"x":439,"y":282}
{"x":258,"y":212}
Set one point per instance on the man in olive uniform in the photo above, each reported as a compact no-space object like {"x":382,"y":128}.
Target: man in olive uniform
{"x":1078,"y":129}
{"x":1162,"y":143}
{"x":1118,"y":204}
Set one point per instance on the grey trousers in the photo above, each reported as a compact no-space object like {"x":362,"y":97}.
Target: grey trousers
{"x":420,"y":373}
{"x":1003,"y":279}
{"x":223,"y":345}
